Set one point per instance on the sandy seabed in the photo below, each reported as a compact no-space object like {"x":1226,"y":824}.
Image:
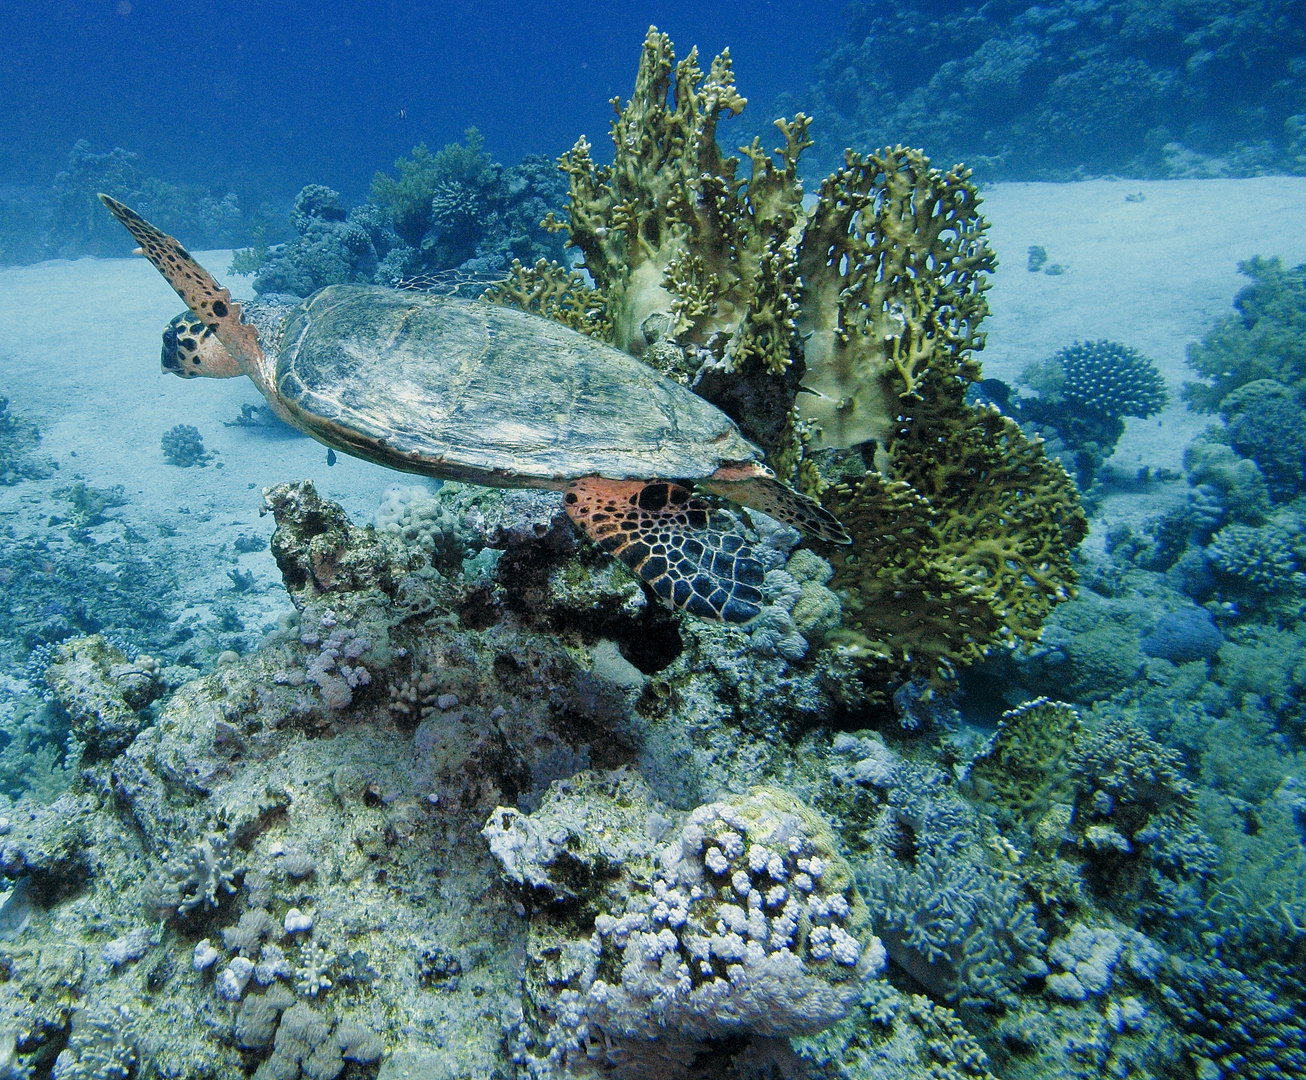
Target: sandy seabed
{"x":79,"y":353}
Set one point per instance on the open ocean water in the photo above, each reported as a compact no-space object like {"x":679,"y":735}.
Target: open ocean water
{"x":625,"y":588}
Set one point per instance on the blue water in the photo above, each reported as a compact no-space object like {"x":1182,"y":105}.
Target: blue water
{"x":279,"y":95}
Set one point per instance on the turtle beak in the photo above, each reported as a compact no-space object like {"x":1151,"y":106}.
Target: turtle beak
{"x":171,"y":352}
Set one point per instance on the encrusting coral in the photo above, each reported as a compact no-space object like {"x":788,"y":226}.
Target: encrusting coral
{"x":743,"y":921}
{"x":850,"y":324}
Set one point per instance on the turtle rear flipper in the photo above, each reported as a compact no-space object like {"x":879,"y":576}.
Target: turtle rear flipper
{"x":210,"y":303}
{"x":668,"y":538}
{"x":749,"y":486}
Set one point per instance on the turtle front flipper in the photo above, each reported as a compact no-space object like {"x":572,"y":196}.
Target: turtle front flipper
{"x":208,"y":301}
{"x":668,"y":538}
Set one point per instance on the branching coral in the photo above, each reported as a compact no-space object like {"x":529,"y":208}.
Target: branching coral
{"x":1135,"y":820}
{"x":1102,"y":377}
{"x":671,"y":228}
{"x":872,"y":298}
{"x":968,"y":550}
{"x":1085,"y":391}
{"x":1264,"y":339}
{"x":960,"y":927}
{"x":1021,"y":772}
{"x":204,"y":871}
{"x":1267,"y":425}
{"x":894,"y":261}
{"x":1261,"y":558}
{"x":556,"y":293}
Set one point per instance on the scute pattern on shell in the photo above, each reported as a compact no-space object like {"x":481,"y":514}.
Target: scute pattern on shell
{"x":466,"y":390}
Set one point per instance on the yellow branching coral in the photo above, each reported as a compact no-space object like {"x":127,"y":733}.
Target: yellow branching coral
{"x":893,"y":262}
{"x":556,"y":293}
{"x":671,"y":228}
{"x":1022,"y":771}
{"x":873,"y":296}
{"x":965,"y":548}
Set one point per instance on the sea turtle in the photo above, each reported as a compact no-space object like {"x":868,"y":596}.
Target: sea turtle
{"x":466,"y":390}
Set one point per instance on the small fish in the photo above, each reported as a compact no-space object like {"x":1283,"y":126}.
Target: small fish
{"x":402,"y":114}
{"x":331,"y":457}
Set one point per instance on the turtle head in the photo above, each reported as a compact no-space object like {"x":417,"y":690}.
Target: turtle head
{"x":227,"y":345}
{"x":191,"y":349}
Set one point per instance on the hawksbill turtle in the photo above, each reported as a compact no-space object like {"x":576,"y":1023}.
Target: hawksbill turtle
{"x":467,"y":390}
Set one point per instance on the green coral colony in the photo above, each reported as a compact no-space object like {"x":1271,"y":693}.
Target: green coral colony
{"x":482,"y":808}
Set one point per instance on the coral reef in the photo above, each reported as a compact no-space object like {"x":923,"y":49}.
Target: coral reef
{"x":455,"y":209}
{"x":1058,"y":91}
{"x":477,"y":807}
{"x":66,"y":220}
{"x":1265,"y":423}
{"x":697,"y":269}
{"x":1085,"y":392}
{"x":1264,"y":339}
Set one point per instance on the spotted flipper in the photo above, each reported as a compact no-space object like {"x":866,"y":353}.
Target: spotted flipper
{"x":210,"y":302}
{"x":669,"y":539}
{"x":781,"y":502}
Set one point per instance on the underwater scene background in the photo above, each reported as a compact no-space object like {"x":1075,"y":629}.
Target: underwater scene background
{"x":310,"y":768}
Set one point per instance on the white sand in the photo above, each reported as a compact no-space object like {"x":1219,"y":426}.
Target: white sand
{"x":1153,"y":275}
{"x":79,"y":353}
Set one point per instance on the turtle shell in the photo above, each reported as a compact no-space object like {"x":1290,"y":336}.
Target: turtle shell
{"x":467,"y":390}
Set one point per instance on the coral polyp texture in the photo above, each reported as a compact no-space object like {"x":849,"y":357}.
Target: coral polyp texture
{"x":1102,"y":377}
{"x":744,"y":920}
{"x":841,"y":336}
